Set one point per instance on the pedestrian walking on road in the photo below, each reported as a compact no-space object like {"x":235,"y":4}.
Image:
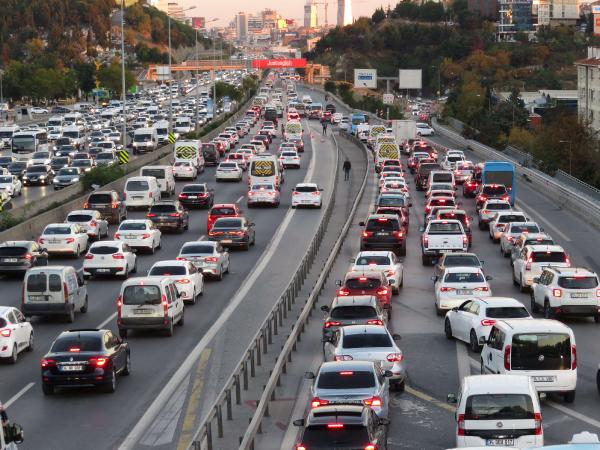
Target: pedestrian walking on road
{"x":347,"y":167}
{"x":324,"y":124}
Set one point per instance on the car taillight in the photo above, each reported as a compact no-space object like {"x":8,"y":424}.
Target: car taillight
{"x":487,"y":322}
{"x":482,"y":289}
{"x":86,"y":205}
{"x":118,"y":256}
{"x":150,"y":215}
{"x":316,"y":401}
{"x":175,"y":215}
{"x":117,"y":235}
{"x":446,"y":289}
{"x":119,"y":305}
{"x":537,"y":417}
{"x":528,"y":264}
{"x":370,"y":447}
{"x":317,"y":193}
{"x":150,"y":194}
{"x":93,"y":223}
{"x":28,"y":256}
{"x":397,"y":234}
{"x":300,"y":447}
{"x":367,"y":233}
{"x":505,"y":198}
{"x":373,"y":401}
{"x":66,"y":292}
{"x":482,"y":198}
{"x":383,"y":291}
{"x":98,"y":362}
{"x":47,"y":362}
{"x":70,"y":240}
{"x":425,"y":241}
{"x":573,"y":357}
{"x":344,"y":358}
{"x":183,"y":196}
{"x":597,"y":292}
{"x":180,"y":258}
{"x":5,"y":332}
{"x":465,"y":240}
{"x":211,"y":259}
{"x":145,"y":235}
{"x":165,"y":304}
{"x":460,"y":422}
{"x":331,"y":323}
{"x":507,"y":357}
{"x":183,"y":281}
{"x":375,"y":322}
{"x":557,"y":292}
{"x":343,"y":292}
{"x":114,"y":205}
{"x":295,"y":193}
{"x":89,"y":256}
{"x":394,"y":357}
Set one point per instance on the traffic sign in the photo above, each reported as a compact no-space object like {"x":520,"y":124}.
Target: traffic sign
{"x":388,"y":99}
{"x":171,"y":138}
{"x":123,"y":157}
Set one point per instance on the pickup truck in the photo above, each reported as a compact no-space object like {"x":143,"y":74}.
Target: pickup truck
{"x":442,"y":236}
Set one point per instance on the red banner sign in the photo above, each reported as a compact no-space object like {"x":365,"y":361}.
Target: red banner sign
{"x":298,"y":63}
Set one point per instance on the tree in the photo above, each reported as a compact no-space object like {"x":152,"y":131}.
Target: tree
{"x":110,"y":78}
{"x":86,"y":76}
{"x":431,"y":11}
{"x":378,"y":15}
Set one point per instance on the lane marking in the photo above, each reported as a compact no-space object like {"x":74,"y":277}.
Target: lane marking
{"x":189,"y":420}
{"x":202,"y":237}
{"x":572,"y":413}
{"x":240,"y":199}
{"x":548,"y":224}
{"x":18,"y":395}
{"x":430,"y":399}
{"x":108,"y":319}
{"x":462,"y":357}
{"x":186,"y":366}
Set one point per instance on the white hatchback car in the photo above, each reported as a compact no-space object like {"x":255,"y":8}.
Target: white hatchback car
{"x":11,"y":185}
{"x":229,"y":171}
{"x":16,"y":334}
{"x":423,"y":129}
{"x":109,"y":258}
{"x":187,"y":278}
{"x":307,"y":194}
{"x":139,"y":233}
{"x":184,"y":169}
{"x":385,"y":261}
{"x":289,"y":158}
{"x":512,"y":232}
{"x":91,"y":221}
{"x":64,"y":238}
{"x":456,"y":284}
{"x":263,"y":194}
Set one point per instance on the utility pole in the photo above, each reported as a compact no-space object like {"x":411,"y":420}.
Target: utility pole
{"x":197,"y":82}
{"x":123,"y":85}
{"x":170,"y":79}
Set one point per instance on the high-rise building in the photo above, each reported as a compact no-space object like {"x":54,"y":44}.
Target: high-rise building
{"x":344,"y":13}
{"x":588,"y":87}
{"x":310,"y":14}
{"x":514,"y":16}
{"x":255,"y":23}
{"x":241,"y":26}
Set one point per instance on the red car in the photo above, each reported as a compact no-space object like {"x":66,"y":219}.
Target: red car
{"x":326,"y":116}
{"x":366,"y":283}
{"x":222,"y":210}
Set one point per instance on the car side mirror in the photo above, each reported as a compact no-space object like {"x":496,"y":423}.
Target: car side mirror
{"x":536,"y":279}
{"x":396,"y":337}
{"x":383,"y":421}
{"x":488,"y":277}
{"x":541,"y":229}
{"x":451,"y":398}
{"x":482,"y":340}
{"x":338,"y":283}
{"x":362,"y":224}
{"x":325,"y":308}
{"x":388,"y":374}
{"x":421,"y":229}
{"x":309,"y":375}
{"x":299,"y":422}
{"x":455,"y":309}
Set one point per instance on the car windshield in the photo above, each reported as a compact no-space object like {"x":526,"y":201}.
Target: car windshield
{"x":548,"y":257}
{"x":104,"y":249}
{"x":37,"y":169}
{"x":141,"y":295}
{"x":67,"y":171}
{"x":541,"y":351}
{"x":228,"y":223}
{"x":79,"y":217}
{"x":363,"y":283}
{"x":107,"y":156}
{"x":84,"y":343}
{"x":343,"y":437}
{"x":499,"y":406}
{"x":506,"y":312}
{"x":57,"y":230}
{"x":357,"y":379}
{"x":133,"y":226}
{"x":463,"y":277}
{"x":167,"y":270}
{"x":367,"y":340}
{"x":353,"y":312}
{"x":13,"y":251}
{"x":445,"y":228}
{"x":578,"y":282}
{"x":197,"y":249}
{"x":82,"y":163}
{"x":159,"y":174}
{"x":137,"y":185}
{"x":6,"y":179}
{"x":99,"y":198}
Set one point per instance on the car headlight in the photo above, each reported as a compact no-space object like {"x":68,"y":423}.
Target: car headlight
{"x":42,"y":177}
{"x":74,"y":180}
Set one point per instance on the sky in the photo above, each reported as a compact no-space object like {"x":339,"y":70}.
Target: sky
{"x":225,"y":10}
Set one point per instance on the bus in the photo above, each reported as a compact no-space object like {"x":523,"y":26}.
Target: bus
{"x":500,"y":172}
{"x":356,"y":120}
{"x":26,"y":143}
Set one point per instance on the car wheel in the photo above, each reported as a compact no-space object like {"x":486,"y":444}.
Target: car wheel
{"x":448,"y":329}
{"x":402,"y":251}
{"x":111,"y":387}
{"x":481,"y":227}
{"x":481,"y":368}
{"x":134,"y":270}
{"x":122,"y":333}
{"x":84,"y":308}
{"x":126,"y":273}
{"x":425,"y":260}
{"x":14,"y":356}
{"x":159,"y":246}
{"x":438,"y":310}
{"x":169,"y":330}
{"x":30,"y":344}
{"x":71,"y":315}
{"x":569,"y":397}
{"x":47,"y":389}
{"x":192,"y":301}
{"x":127,"y":369}
{"x":534,"y":306}
{"x":182,"y":319}
{"x":474,"y":343}
{"x":598,"y":381}
{"x":547,"y":311}
{"x":597,"y":319}
{"x":246,"y":246}
{"x":522,"y":287}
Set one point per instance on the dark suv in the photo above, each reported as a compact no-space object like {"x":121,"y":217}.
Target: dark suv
{"x":212,"y":157}
{"x":422,"y":175}
{"x":109,"y":204}
{"x":489,"y":191}
{"x":342,"y":427}
{"x":169,"y":214}
{"x":383,"y":232}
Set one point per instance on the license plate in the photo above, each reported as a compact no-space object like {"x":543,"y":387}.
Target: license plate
{"x":15,"y":260}
{"x":37,"y":298}
{"x":544,"y":379}
{"x":102,"y":270}
{"x":71,"y":368}
{"x":464,"y":291}
{"x":499,"y":442}
{"x":143,"y":311}
{"x":130,"y":236}
{"x":226,"y":241}
{"x":193,"y":196}
{"x":306,"y":201}
{"x":383,"y":234}
{"x":54,"y":241}
{"x":580,"y":294}
{"x":137,"y":198}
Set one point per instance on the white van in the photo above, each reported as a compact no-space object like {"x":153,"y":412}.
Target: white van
{"x":292,"y":129}
{"x":265,"y":168}
{"x":52,"y":291}
{"x":498,"y":410}
{"x":141,"y":192}
{"x":144,"y":140}
{"x":149,"y":303}
{"x":183,"y":125}
{"x":164,"y":177}
{"x":190,"y":150}
{"x":544,"y":349}
{"x":162,"y":131}
{"x":6,"y":134}
{"x":76,"y":135}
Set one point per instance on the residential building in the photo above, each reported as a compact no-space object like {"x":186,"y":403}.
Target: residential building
{"x":514,"y":16}
{"x":310,"y":14}
{"x":344,"y":13}
{"x":255,"y":24}
{"x":241,"y":26}
{"x":588,"y":88}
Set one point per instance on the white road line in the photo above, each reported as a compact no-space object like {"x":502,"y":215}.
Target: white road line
{"x":462,"y":357}
{"x":240,"y":199}
{"x":202,"y":237}
{"x":18,"y":395}
{"x":572,"y":413}
{"x":108,"y":319}
{"x":539,"y":217}
{"x":167,"y":392}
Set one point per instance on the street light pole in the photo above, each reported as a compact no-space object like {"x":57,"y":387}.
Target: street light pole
{"x":197,"y":82}
{"x":170,"y":79}
{"x":123,"y":86}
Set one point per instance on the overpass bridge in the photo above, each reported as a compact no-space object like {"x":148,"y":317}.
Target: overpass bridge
{"x":203,"y":65}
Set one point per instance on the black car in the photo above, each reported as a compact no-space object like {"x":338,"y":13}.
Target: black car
{"x":343,"y":427}
{"x":38,"y":174}
{"x":211,"y":154}
{"x":18,"y":168}
{"x":109,"y":204}
{"x":87,"y":357}
{"x":6,"y":161}
{"x":59,"y":162}
{"x":233,"y":232}
{"x":383,"y":232}
{"x":197,"y":195}
{"x":19,"y":256}
{"x":169,"y":214}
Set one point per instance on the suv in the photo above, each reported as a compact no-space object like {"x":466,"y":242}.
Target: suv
{"x":566,"y":292}
{"x":169,"y":214}
{"x":422,"y":175}
{"x":358,"y":309}
{"x":488,"y":191}
{"x":109,"y":204}
{"x":533,"y":259}
{"x":383,"y":232}
{"x":342,"y":426}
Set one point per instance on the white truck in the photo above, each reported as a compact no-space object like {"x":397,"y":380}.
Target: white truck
{"x":403,"y":130}
{"x":442,"y":236}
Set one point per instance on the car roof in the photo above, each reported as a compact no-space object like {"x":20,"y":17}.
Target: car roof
{"x":348,"y":414}
{"x":354,"y":300}
{"x":134,"y":221}
{"x":373,"y":253}
{"x":15,"y":243}
{"x":211,"y":243}
{"x":498,"y":301}
{"x":170,"y":262}
{"x":534,"y":325}
{"x":573,"y":271}
{"x":497,"y":384}
{"x":83,"y":211}
{"x":224,"y":205}
{"x":338,"y":366}
{"x":546,"y":248}
{"x":362,"y":329}
{"x":306,"y":185}
{"x":143,"y":280}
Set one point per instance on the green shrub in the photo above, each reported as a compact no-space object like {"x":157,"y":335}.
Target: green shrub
{"x":101,"y":176}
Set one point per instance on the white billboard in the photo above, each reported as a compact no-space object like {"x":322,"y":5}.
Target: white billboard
{"x":365,"y":78}
{"x":410,"y":79}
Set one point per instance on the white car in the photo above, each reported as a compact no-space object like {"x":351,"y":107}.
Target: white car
{"x":109,"y":258}
{"x":385,"y":261}
{"x":456,"y":284}
{"x":64,"y":238}
{"x":489,"y":210}
{"x":289,"y":158}
{"x":307,"y":194}
{"x":336,"y":117}
{"x":501,"y":220}
{"x":43,"y":158}
{"x":228,"y":171}
{"x":210,"y":257}
{"x":139,"y":233}
{"x":11,"y":185}
{"x":188,"y":279}
{"x":263,"y":193}
{"x":38,"y":110}
{"x":512,"y":232}
{"x":474,"y":318}
{"x":423,"y":129}
{"x":16,"y":334}
{"x":91,"y":221}
{"x":532,"y":260}
{"x":344,"y":123}
{"x":184,"y":169}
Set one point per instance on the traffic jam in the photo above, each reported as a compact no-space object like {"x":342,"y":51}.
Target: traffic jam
{"x":524,"y":351}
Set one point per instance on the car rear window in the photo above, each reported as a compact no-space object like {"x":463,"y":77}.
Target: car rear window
{"x":437,"y":177}
{"x":494,"y":190}
{"x":228,"y":165}
{"x":36,"y":282}
{"x":57,"y":230}
{"x":85,"y":343}
{"x":141,"y":295}
{"x":539,"y":241}
{"x":382,"y":224}
{"x":104,"y":250}
{"x":360,"y":379}
{"x":445,"y":228}
{"x":163,"y":208}
{"x":228,"y":223}
{"x":305,"y":189}
{"x":373,"y":261}
{"x":461,"y":260}
{"x":132,"y":226}
{"x":346,"y":436}
{"x":463,"y":277}
{"x":353,"y":312}
{"x":505,"y":218}
{"x":137,"y":185}
{"x":578,"y":282}
{"x":363,"y":283}
{"x":79,"y":217}
{"x":194,"y":188}
{"x":167,"y":270}
{"x":222,"y":212}
{"x":549,"y":257}
{"x":367,"y":340}
{"x":100,"y":198}
{"x":507,"y":312}
{"x":498,"y":206}
{"x":13,"y":251}
{"x":499,"y":406}
{"x":197,"y":249}
{"x":391,"y":201}
{"x":541,"y":351}
{"x":159,"y":174}
{"x":456,"y":216}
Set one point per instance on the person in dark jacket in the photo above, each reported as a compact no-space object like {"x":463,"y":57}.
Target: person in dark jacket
{"x":347,"y":167}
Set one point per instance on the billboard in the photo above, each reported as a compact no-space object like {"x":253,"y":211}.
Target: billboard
{"x":199,"y":23}
{"x":297,"y":63}
{"x":410,"y":79}
{"x":365,"y":78}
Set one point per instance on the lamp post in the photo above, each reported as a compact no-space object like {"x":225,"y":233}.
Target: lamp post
{"x":123,"y":86}
{"x":198,"y":77}
{"x":570,"y":155}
